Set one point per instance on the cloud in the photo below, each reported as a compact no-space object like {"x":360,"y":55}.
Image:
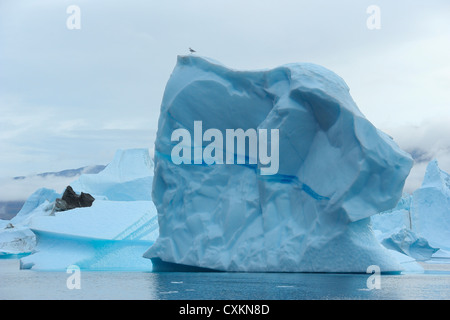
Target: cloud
{"x":70,"y":98}
{"x":426,"y":141}
{"x":21,"y":189}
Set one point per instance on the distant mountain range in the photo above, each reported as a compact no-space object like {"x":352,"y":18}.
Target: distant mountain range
{"x":8,"y":209}
{"x":70,"y":173}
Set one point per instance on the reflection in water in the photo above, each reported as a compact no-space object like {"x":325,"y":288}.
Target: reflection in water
{"x":27,"y":284}
{"x":297,"y":286}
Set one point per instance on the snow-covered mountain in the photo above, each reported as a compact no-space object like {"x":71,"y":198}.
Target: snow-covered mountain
{"x":69,"y":173}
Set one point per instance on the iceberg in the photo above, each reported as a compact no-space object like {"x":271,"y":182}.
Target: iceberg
{"x":16,"y":242}
{"x":113,"y":220}
{"x":42,"y":197}
{"x":390,"y":222}
{"x":419,"y":225}
{"x":109,"y":236}
{"x":430,"y":211}
{"x":128,"y":177}
{"x":335,"y":170}
{"x":112,"y":234}
{"x":407,"y":242}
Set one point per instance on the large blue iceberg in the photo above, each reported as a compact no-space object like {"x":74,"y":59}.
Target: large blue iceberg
{"x":335,"y":170}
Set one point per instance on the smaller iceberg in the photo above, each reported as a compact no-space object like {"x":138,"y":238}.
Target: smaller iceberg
{"x":16,"y":242}
{"x":128,"y":177}
{"x":111,"y":234}
{"x":42,"y":198}
{"x":407,"y":242}
{"x":430,"y":212}
{"x":419,"y":226}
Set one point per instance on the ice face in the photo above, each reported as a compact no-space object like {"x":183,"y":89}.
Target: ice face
{"x":37,"y":199}
{"x":335,"y":170}
{"x":407,"y":242}
{"x":56,"y":252}
{"x":420,"y":223}
{"x":128,"y":177}
{"x":392,"y":221}
{"x":16,"y":241}
{"x":431,"y":207}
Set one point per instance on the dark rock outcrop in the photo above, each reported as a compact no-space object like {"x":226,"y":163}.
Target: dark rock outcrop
{"x":70,"y":200}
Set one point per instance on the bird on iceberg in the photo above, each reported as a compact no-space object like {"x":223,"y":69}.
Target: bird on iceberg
{"x":192,"y":50}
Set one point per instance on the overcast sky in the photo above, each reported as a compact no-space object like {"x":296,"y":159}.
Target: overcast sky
{"x":70,"y":98}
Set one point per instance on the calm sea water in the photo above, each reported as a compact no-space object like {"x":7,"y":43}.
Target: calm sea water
{"x":27,"y":284}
